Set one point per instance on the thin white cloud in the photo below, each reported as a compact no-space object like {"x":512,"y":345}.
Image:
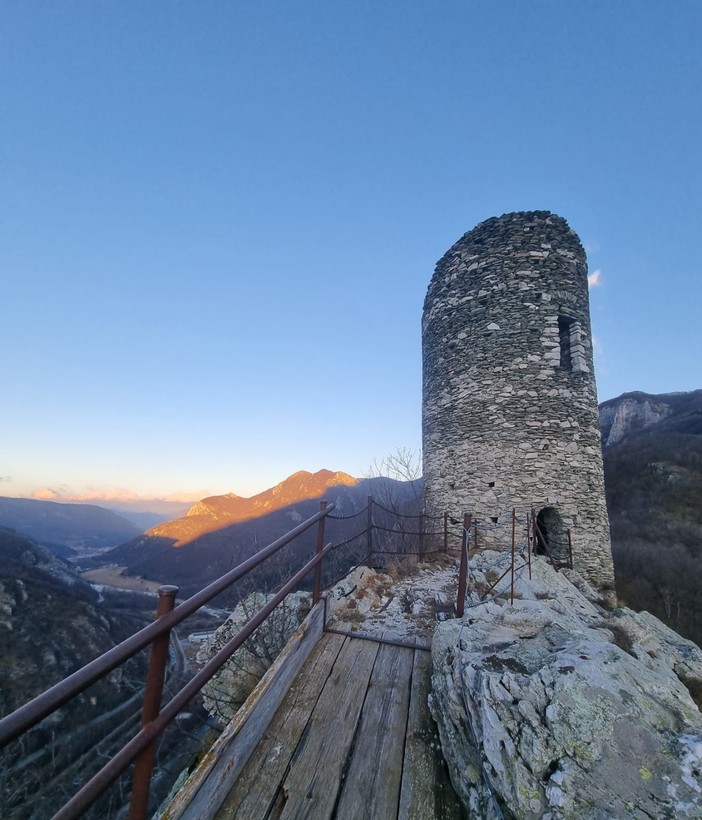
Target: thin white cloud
{"x":116,"y":496}
{"x":46,"y":494}
{"x":594,"y":279}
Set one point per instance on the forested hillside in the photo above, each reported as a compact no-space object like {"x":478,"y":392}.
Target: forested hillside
{"x":52,"y":623}
{"x":653,"y":476}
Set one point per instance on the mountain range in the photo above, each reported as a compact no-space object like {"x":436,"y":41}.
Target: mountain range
{"x":219,"y":511}
{"x":222,"y":531}
{"x":652,"y":448}
{"x":66,"y":528}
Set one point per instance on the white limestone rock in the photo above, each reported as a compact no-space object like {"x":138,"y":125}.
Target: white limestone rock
{"x":554,"y":708}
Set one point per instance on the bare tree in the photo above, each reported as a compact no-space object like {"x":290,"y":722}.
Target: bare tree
{"x":402,"y":464}
{"x":396,"y":486}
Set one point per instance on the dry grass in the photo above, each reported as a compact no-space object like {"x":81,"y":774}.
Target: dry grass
{"x":351,"y":615}
{"x":694,"y":687}
{"x":622,"y":639}
{"x":401,"y":568}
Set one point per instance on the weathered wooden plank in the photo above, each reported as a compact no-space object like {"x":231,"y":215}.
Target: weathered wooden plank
{"x":371,"y":787}
{"x":312,"y":785}
{"x":203,"y":792}
{"x":258,"y":788}
{"x":426,"y":791}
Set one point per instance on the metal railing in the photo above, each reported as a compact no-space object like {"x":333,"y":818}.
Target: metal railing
{"x":391,"y":533}
{"x":535,"y":542}
{"x":154,"y":720}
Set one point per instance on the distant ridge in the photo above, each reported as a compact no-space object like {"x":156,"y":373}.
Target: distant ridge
{"x":218,"y":511}
{"x":65,"y":528}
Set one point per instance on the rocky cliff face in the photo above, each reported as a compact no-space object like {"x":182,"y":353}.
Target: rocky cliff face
{"x":555,"y":708}
{"x":635,"y":412}
{"x":629,"y":413}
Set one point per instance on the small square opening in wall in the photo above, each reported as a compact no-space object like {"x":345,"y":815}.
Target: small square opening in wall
{"x":494,"y":519}
{"x":491,"y":483}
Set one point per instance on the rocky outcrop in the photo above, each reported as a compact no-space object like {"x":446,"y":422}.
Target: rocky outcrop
{"x":553,"y":707}
{"x":629,"y":413}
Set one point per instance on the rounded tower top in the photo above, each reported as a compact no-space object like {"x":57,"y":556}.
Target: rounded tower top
{"x":524,"y":240}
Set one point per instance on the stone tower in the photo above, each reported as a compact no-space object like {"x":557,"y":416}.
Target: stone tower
{"x":509,"y":399}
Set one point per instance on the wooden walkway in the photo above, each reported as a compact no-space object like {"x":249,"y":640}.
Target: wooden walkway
{"x":353,"y":738}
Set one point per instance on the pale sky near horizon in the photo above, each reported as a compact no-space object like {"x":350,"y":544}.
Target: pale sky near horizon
{"x":218,"y":220}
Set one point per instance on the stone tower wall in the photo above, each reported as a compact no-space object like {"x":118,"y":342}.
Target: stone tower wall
{"x":509,"y":399}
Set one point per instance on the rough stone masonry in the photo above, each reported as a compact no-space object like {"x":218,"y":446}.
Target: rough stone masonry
{"x":510,"y":414}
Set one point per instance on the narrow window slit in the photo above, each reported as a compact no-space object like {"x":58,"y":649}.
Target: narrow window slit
{"x":564,"y":325}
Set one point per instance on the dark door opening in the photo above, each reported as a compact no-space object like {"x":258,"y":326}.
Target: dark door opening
{"x":552,"y":537}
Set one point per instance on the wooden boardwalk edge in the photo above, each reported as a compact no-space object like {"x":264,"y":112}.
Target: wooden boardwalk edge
{"x":205,"y":789}
{"x":258,"y":789}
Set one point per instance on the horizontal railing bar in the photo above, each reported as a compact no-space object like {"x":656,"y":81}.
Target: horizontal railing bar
{"x":37,"y":709}
{"x":364,"y":636}
{"x":90,"y":792}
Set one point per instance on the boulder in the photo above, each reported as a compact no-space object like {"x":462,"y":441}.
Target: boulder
{"x":554,"y":707}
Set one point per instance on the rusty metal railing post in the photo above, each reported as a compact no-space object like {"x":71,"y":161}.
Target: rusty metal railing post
{"x":514,"y":525}
{"x":446,"y":517}
{"x":369,"y":527}
{"x":153,"y":692}
{"x":463,"y":570}
{"x":534,"y":539}
{"x":317,"y":594}
{"x":570,"y":549}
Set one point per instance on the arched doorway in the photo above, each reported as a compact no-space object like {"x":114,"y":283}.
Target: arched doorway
{"x":553,"y":536}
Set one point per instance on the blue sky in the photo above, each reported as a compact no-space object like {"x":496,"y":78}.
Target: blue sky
{"x":218,"y":220}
